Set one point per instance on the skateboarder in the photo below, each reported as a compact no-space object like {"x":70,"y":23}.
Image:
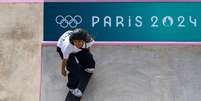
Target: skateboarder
{"x":74,"y":50}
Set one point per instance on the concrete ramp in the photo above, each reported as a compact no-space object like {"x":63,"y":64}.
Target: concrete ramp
{"x":125,"y":73}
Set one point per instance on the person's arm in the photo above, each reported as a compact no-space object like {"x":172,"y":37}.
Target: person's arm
{"x":64,"y":63}
{"x":66,"y":52}
{"x":87,"y":45}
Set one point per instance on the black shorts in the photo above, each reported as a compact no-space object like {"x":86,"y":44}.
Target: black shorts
{"x":77,"y":70}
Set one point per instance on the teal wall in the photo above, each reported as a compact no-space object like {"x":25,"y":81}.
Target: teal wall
{"x":153,"y":21}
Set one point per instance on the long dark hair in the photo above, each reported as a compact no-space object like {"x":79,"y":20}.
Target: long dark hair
{"x":80,"y":34}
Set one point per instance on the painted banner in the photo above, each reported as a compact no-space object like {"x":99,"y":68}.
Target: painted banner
{"x":126,"y":21}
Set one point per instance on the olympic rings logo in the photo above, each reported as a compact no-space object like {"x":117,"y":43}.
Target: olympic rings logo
{"x":65,"y":21}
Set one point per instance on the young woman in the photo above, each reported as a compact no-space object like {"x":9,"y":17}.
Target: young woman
{"x":74,"y":50}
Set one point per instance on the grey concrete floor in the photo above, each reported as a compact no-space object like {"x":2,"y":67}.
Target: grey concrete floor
{"x":20,"y":51}
{"x":125,"y":73}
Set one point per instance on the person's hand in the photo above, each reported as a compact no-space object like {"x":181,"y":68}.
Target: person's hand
{"x":90,"y":70}
{"x":63,"y":72}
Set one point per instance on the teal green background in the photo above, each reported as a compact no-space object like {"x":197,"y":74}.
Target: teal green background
{"x":53,"y":31}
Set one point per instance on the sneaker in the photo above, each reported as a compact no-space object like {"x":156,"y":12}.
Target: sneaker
{"x":76,"y":92}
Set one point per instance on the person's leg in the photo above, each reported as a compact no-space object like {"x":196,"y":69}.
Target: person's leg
{"x":83,"y":82}
{"x":72,"y":67}
{"x":86,"y":60}
{"x":81,"y":86}
{"x":72,"y":81}
{"x":73,"y":76}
